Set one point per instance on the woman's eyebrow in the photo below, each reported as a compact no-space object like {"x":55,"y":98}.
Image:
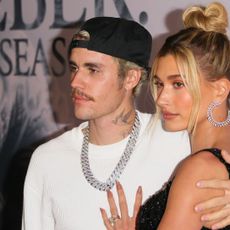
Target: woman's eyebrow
{"x":169,"y":77}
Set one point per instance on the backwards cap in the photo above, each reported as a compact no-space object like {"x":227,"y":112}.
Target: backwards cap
{"x":116,"y":37}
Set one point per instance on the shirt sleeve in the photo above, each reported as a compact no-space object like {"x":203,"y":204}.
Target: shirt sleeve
{"x":37,"y":208}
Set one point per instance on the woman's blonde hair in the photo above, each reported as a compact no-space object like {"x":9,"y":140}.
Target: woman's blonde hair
{"x":202,"y":47}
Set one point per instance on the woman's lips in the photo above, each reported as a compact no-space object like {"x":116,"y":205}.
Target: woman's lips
{"x":168,"y":116}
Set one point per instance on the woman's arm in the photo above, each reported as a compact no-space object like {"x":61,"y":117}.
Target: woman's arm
{"x":184,"y":194}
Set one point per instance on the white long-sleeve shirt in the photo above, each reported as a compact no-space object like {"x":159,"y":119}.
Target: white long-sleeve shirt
{"x":57,"y":195}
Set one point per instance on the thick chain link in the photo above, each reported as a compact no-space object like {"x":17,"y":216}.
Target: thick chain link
{"x":103,"y":186}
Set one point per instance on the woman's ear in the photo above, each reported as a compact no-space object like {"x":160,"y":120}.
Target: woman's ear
{"x":132,"y":78}
{"x":222,"y":87}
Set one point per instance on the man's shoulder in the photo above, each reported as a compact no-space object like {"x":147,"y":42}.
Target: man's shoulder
{"x":144,"y":116}
{"x":154,"y":127}
{"x":150,"y":125}
{"x":161,"y":140}
{"x":66,"y":141}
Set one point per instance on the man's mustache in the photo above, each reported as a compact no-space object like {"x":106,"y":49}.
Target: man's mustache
{"x":77,"y":92}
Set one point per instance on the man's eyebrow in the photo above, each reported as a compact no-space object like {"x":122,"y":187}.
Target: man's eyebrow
{"x":88,"y":64}
{"x":93,"y":65}
{"x":72,"y":63}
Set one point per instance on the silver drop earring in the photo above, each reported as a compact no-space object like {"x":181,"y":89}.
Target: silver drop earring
{"x":211,"y":107}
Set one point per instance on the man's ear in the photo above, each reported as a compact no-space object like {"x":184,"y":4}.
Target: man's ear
{"x":132,"y":78}
{"x":222,"y":87}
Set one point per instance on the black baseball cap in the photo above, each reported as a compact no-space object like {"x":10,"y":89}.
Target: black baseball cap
{"x":117,"y":37}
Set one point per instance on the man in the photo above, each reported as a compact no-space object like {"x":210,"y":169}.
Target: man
{"x":68,"y":176}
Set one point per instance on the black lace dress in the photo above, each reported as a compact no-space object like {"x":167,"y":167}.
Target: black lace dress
{"x":152,"y":210}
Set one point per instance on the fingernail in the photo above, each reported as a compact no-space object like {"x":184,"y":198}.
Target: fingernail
{"x":109,"y":193}
{"x":102,"y":211}
{"x":214,"y":227}
{"x":139,"y":190}
{"x":197,"y":209}
{"x":199,"y":184}
{"x":224,"y":151}
{"x":118,"y":184}
{"x":204,"y":218}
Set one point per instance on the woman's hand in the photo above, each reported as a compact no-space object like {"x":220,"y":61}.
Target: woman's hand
{"x":223,"y":215}
{"x":120,"y":218}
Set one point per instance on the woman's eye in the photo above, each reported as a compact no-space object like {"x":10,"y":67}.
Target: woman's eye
{"x":158,"y":84}
{"x":178,"y":84}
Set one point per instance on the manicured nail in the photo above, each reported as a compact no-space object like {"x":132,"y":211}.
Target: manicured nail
{"x":139,"y":190}
{"x":109,"y":193}
{"x":204,"y":218}
{"x":118,"y":184}
{"x":199,"y":184}
{"x":214,"y":227}
{"x":223,"y":151}
{"x":197,"y":208}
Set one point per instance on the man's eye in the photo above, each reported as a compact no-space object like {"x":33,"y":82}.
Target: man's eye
{"x":73,"y":69}
{"x":92,"y":70}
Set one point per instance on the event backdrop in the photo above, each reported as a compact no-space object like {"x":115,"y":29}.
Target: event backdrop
{"x":35,"y":100}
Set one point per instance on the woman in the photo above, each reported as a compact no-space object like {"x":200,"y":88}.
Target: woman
{"x":191,"y":85}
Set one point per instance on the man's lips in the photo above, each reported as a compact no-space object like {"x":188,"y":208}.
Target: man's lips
{"x":78,"y":96}
{"x":80,"y":99}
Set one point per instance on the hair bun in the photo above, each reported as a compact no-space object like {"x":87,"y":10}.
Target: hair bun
{"x":214,"y":18}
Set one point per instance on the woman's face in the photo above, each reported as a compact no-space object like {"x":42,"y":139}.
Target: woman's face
{"x":173,"y":98}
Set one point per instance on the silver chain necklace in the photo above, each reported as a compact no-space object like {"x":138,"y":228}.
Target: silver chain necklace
{"x":103,"y":186}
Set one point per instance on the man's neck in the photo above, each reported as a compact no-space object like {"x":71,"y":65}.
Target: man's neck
{"x":111,"y":129}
